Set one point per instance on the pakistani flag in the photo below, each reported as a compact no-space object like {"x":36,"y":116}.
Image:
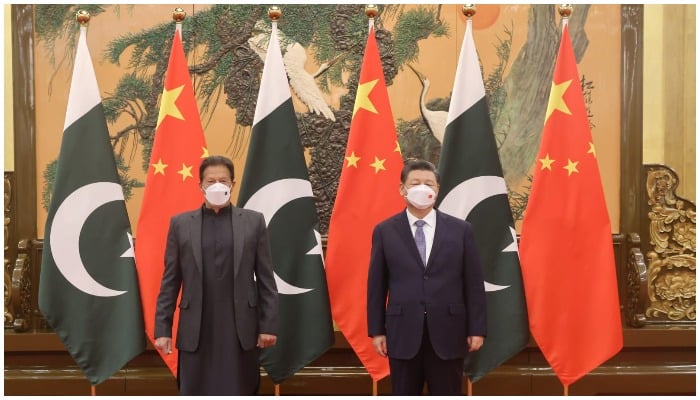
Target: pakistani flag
{"x":88,"y":289}
{"x":276,"y":183}
{"x":472,"y":188}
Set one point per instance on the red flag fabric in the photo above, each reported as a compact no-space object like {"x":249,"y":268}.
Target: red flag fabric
{"x":368,"y":192}
{"x":566,"y":248}
{"x":172,"y":183}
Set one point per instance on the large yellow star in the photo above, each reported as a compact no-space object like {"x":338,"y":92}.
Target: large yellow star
{"x":556,"y":99}
{"x":378,"y":165}
{"x":167,"y":104}
{"x":185,"y":172}
{"x":205,"y":153}
{"x":362,"y":100}
{"x":352,"y":160}
{"x":571,"y":167}
{"x":591,"y":149}
{"x":160,"y":167}
{"x":546,"y":162}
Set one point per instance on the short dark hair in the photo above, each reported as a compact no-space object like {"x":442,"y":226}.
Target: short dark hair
{"x":215,"y":160}
{"x":414,"y":164}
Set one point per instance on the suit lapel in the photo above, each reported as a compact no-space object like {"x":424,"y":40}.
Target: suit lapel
{"x":438,"y":238}
{"x":238,"y":238}
{"x":196,"y":236}
{"x":406,"y":235}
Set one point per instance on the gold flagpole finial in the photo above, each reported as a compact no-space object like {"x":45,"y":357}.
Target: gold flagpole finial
{"x":469,"y":10}
{"x":371,"y":11}
{"x":179,"y":15}
{"x":565,"y":10}
{"x":83,"y":17}
{"x":275,"y":13}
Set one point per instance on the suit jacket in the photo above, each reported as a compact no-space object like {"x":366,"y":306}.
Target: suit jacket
{"x":449,"y":292}
{"x":255,"y":292}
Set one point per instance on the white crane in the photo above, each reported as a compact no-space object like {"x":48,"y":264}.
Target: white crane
{"x":436,"y":120}
{"x":303,"y":84}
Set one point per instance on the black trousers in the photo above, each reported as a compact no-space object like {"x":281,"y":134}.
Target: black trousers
{"x":444,"y":377}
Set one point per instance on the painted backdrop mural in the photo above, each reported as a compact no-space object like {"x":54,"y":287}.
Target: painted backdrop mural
{"x":322,"y":46}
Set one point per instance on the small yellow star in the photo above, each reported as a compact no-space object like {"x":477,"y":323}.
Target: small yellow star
{"x":378,"y":165}
{"x":556,"y":99}
{"x":160,"y":167}
{"x":185,"y":172}
{"x":571,"y":167}
{"x":398,"y":148}
{"x":205,"y":153}
{"x":591,"y":149}
{"x":352,"y":160}
{"x":546,"y":162}
{"x":167,"y":104}
{"x":362,"y":100}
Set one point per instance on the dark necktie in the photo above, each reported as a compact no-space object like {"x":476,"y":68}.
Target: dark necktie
{"x":420,"y":239}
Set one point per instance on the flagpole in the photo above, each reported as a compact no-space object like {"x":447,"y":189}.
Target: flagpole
{"x":565,"y":11}
{"x":178,"y":16}
{"x":371,"y":11}
{"x":274,"y":13}
{"x":469,"y":10}
{"x":83,"y":18}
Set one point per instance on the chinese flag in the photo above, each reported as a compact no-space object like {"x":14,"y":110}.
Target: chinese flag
{"x":172,"y":183}
{"x":566,"y":247}
{"x":368,"y":192}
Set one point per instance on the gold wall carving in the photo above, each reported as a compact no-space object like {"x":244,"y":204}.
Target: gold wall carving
{"x":664,"y":286}
{"x":21,"y":293}
{"x":19,"y":282}
{"x":636,"y":284}
{"x":8,"y":210}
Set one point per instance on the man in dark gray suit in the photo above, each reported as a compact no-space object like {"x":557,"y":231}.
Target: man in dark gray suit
{"x":428,"y":264}
{"x":220,"y":256}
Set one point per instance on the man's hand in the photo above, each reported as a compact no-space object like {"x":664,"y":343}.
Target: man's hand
{"x":164,"y":344}
{"x":265,"y":340}
{"x":379,"y":342}
{"x":475,"y":342}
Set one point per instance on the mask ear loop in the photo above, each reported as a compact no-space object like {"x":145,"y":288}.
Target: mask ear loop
{"x":403,"y":191}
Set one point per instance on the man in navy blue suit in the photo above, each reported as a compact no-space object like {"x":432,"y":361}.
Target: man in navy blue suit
{"x":427,"y":263}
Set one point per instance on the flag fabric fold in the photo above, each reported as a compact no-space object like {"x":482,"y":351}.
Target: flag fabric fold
{"x":472,"y":188}
{"x":276,"y":183}
{"x":566,"y":242}
{"x":88,"y":290}
{"x":368,"y":192}
{"x":172,"y":183}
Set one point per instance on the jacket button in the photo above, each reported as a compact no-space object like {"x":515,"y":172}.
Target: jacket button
{"x":425,"y":277}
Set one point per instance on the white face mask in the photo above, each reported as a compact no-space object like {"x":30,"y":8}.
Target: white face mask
{"x":420,"y":196}
{"x":217,"y":194}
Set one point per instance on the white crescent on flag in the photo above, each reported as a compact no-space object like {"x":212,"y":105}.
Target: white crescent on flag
{"x":462,"y":199}
{"x":65,"y":234}
{"x":268,"y":200}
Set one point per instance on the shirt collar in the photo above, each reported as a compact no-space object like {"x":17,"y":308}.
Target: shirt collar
{"x":429,"y":219}
{"x":226,"y":210}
